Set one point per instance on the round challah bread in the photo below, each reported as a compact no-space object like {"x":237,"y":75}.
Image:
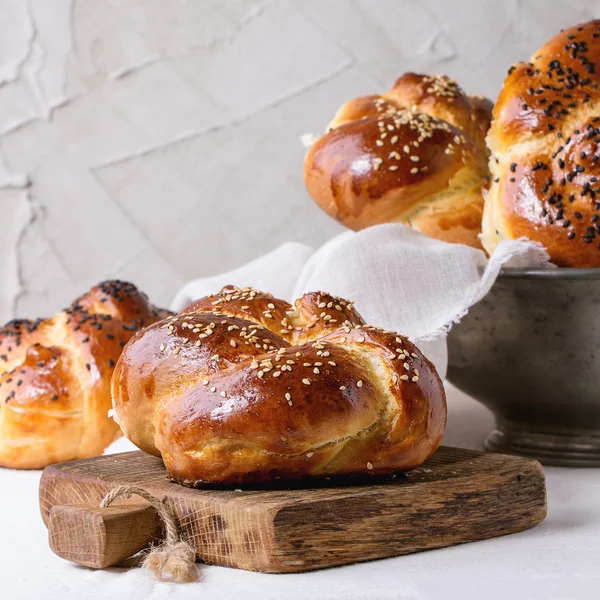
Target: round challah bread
{"x":545,"y":143}
{"x":414,"y":155}
{"x":55,"y":376}
{"x":241,"y":387}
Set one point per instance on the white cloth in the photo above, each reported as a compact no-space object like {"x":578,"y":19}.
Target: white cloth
{"x":398,"y":278}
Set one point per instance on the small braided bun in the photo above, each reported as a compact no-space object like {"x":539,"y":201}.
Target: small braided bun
{"x":414,"y":155}
{"x":55,"y":376}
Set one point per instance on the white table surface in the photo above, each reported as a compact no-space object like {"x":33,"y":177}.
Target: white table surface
{"x":558,"y":560}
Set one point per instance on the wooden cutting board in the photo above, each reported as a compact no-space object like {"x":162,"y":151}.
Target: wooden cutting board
{"x":457,"y":496}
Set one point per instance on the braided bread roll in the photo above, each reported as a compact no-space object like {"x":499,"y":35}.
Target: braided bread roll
{"x":55,"y":376}
{"x":545,"y":143}
{"x":414,"y":155}
{"x":241,"y":387}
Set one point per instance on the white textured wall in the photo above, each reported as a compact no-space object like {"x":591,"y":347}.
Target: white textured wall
{"x":157,"y":140}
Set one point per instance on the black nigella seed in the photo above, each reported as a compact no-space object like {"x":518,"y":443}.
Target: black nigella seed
{"x":566,"y":223}
{"x":577,"y":215}
{"x":571,"y":235}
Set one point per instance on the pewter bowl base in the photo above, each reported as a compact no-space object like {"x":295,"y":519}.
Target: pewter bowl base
{"x":550,"y":449}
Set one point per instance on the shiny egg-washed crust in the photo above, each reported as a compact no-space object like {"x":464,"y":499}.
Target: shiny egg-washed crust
{"x":55,"y":376}
{"x":241,"y":387}
{"x":414,"y":155}
{"x":545,"y":143}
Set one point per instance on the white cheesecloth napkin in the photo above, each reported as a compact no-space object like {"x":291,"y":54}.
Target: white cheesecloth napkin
{"x":398,"y":278}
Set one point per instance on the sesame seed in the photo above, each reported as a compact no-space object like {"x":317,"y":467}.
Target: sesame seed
{"x":213,"y":389}
{"x":359,"y":383}
{"x":162,"y":347}
{"x":342,"y":387}
{"x":276,"y":373}
{"x":306,"y":381}
{"x":310,"y":454}
{"x":369,"y":466}
{"x":176,"y":351}
{"x":223,"y":395}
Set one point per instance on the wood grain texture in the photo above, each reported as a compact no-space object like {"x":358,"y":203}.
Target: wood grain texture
{"x":457,"y":496}
{"x":102,"y":537}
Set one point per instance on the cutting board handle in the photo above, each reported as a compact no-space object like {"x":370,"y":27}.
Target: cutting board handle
{"x":102,"y":537}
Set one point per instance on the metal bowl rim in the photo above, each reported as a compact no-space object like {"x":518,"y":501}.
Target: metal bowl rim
{"x":553,"y":274}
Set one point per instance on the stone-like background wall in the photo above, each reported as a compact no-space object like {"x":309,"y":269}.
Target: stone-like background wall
{"x":157,"y":140}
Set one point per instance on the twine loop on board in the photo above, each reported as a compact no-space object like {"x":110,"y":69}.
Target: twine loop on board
{"x":172,"y":560}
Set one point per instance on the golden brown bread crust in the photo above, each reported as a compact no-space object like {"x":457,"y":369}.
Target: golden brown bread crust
{"x":241,"y":387}
{"x":414,"y":155}
{"x":55,"y":376}
{"x":545,"y":160}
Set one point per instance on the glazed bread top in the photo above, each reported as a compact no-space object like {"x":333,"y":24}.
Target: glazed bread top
{"x":243,"y":387}
{"x":414,"y":155}
{"x":545,"y":160}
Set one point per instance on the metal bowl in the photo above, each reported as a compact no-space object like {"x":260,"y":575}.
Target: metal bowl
{"x":530,"y":352}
